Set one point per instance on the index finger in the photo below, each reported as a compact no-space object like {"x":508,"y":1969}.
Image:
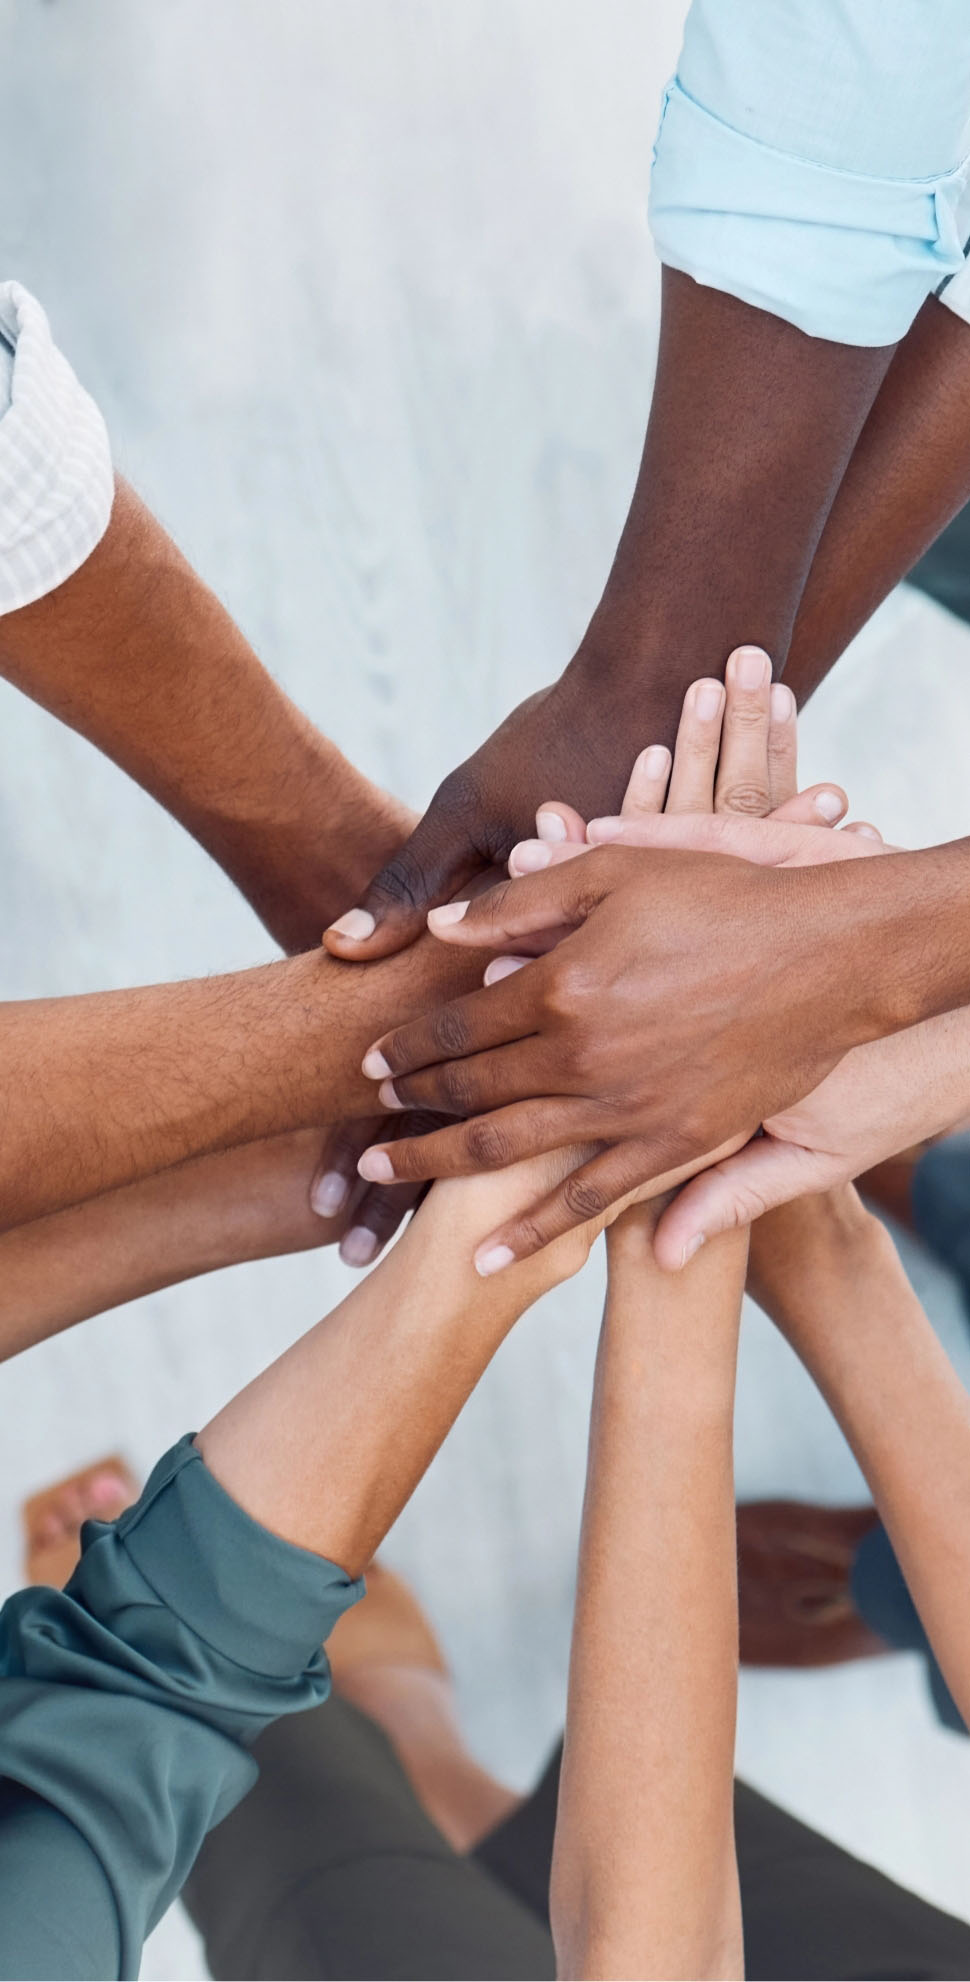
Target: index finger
{"x":495,"y":1016}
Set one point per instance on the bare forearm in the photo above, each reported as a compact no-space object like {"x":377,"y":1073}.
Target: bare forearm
{"x":244,"y":1203}
{"x":830,"y":1274}
{"x":644,"y":1875}
{"x":751,"y":428}
{"x":102,"y":1090}
{"x":909,"y":474}
{"x":328,"y":1444}
{"x":137,"y":654}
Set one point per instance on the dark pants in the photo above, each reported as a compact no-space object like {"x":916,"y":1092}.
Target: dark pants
{"x":330,"y":1868}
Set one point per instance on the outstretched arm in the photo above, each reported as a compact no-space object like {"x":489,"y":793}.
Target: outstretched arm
{"x":644,"y":1877}
{"x":801,"y":230}
{"x":136,"y":653}
{"x":100,"y":1090}
{"x":750,"y":431}
{"x":828,"y":1273}
{"x":128,"y":1701}
{"x":246,"y":1203}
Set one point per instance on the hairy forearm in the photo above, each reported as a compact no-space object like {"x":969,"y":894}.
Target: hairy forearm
{"x":751,"y":428}
{"x":328,"y":1444}
{"x":644,"y":1877}
{"x":214,"y":1211}
{"x":909,"y":474}
{"x":137,"y":654}
{"x":101,"y":1090}
{"x":829,"y":1273}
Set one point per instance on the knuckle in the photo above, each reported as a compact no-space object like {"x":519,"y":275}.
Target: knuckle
{"x":449,"y":1031}
{"x":458,"y":794}
{"x":489,"y":1147}
{"x":402,"y":882}
{"x":747,"y":716}
{"x":569,"y":990}
{"x":699,"y":747}
{"x":584,"y":1199}
{"x":531,"y":1236}
{"x":751,"y":798}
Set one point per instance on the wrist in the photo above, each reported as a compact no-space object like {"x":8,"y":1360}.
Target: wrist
{"x":804,"y":1249}
{"x":903,"y":935}
{"x":301,"y":861}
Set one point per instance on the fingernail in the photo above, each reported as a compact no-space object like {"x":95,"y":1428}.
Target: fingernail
{"x":329,"y":1194}
{"x":868,"y":832}
{"x":503,"y":967}
{"x":492,"y":1259}
{"x":708,"y":700}
{"x":549,"y":826}
{"x":604,"y":829}
{"x":358,"y":924}
{"x":654,"y":763}
{"x":693,"y":1247}
{"x":749,"y":667}
{"x":358,"y":1246}
{"x":440,"y":918}
{"x":374,"y":1065}
{"x":829,"y":804}
{"x":781,"y":703}
{"x":528,"y":857}
{"x":386,"y":1094}
{"x":376,"y":1166}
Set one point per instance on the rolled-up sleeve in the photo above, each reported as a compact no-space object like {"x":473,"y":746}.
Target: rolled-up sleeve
{"x":56,"y":481}
{"x":812,"y":158}
{"x":127,"y":1702}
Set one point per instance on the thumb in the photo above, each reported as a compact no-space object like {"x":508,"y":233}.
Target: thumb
{"x":439,"y":858}
{"x":764,"y":1174}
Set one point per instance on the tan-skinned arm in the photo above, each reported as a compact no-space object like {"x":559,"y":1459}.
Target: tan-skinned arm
{"x":828,"y":1273}
{"x":100,"y":1090}
{"x":137,"y":654}
{"x":245,"y":1203}
{"x":327,"y":1445}
{"x":644,"y":1877}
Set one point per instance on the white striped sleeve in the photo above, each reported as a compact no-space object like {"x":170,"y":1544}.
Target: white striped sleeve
{"x":56,"y":481}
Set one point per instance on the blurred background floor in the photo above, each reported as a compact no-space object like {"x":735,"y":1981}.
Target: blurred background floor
{"x":365,"y":291}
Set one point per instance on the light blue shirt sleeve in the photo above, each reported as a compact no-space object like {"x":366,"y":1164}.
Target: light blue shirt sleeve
{"x":812,"y":158}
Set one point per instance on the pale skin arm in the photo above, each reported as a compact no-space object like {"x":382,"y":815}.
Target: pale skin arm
{"x":328,"y":1444}
{"x":830,"y":1276}
{"x":644,"y":1877}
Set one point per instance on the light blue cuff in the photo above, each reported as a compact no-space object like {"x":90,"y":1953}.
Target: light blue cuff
{"x":839,"y":255}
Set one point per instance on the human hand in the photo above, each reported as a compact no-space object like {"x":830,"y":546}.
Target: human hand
{"x":629,"y":1004}
{"x":562,"y":739}
{"x":879,"y":1099}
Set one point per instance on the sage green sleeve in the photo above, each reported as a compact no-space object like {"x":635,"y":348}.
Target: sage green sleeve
{"x":127,"y":1703}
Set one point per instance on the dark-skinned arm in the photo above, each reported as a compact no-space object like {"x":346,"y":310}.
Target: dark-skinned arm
{"x":908,"y":477}
{"x":751,"y":428}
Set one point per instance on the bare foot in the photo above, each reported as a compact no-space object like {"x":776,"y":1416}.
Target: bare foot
{"x":52,"y":1520}
{"x":386,"y":1660}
